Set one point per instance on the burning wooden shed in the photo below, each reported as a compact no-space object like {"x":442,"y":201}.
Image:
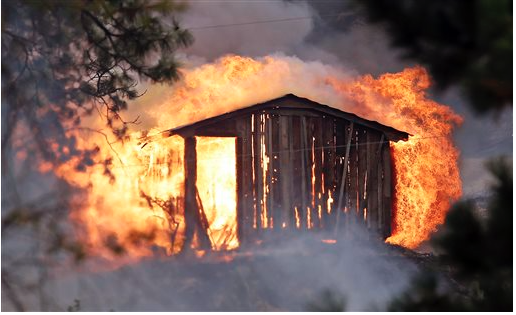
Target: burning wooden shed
{"x":294,"y":164}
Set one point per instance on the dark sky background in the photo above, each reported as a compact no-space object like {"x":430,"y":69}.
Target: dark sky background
{"x":337,"y":34}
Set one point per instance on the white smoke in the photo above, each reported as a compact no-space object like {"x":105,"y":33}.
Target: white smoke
{"x":261,"y":28}
{"x":287,"y":276}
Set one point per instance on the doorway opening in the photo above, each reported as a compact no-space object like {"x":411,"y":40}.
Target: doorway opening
{"x":217,"y":187}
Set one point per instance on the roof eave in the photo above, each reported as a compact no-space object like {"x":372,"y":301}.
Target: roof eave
{"x":391,"y":133}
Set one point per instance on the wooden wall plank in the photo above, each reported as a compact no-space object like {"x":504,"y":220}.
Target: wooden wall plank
{"x":376,"y":218}
{"x":340,"y":151}
{"x":276,"y":191}
{"x":297,"y":164}
{"x":241,"y":207}
{"x":269,"y":192}
{"x":310,"y":179}
{"x":353,"y":176}
{"x":379,"y":184}
{"x":252,"y":157}
{"x":318,"y":168}
{"x":305,"y":171}
{"x":329,"y":168}
{"x":378,"y":195}
{"x":245,"y":191}
{"x":344,"y":177}
{"x":362,"y":175}
{"x":372,"y":216}
{"x":285,"y":171}
{"x":258,"y":175}
{"x":387,"y":190}
{"x":310,"y":158}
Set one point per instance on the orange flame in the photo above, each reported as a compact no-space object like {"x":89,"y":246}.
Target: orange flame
{"x":427,"y":174}
{"x":114,"y":217}
{"x":145,"y":199}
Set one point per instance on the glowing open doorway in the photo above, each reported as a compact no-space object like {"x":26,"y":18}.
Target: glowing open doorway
{"x":216,"y":183}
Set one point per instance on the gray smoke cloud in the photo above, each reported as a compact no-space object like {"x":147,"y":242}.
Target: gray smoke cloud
{"x":219,"y":27}
{"x":288,"y":276}
{"x":328,"y":31}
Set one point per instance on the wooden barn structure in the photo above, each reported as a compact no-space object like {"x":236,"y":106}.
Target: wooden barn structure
{"x":300,"y":165}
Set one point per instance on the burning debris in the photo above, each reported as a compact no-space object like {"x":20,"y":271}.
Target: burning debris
{"x":249,"y":183}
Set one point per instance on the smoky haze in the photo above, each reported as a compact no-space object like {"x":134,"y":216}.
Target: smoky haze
{"x":206,"y":20}
{"x":291,"y":274}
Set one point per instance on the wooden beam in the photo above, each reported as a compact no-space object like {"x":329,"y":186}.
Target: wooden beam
{"x":247,"y":179}
{"x":285,"y":171}
{"x":353,"y":176}
{"x":276,"y":188}
{"x":387,"y":191}
{"x":329,"y":167}
{"x":298,"y":175}
{"x":204,"y":225}
{"x":318,"y":167}
{"x":343,"y":178}
{"x":240,"y":190}
{"x":193,"y":222}
{"x":378,"y":180}
{"x":372,"y":214}
{"x":270,"y":193}
{"x":362,"y":175}
{"x":303,"y":213}
{"x":258,"y":175}
{"x":310,"y":158}
{"x":340,"y":151}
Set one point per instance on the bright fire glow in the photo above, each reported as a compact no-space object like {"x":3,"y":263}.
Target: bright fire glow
{"x":114,"y":213}
{"x":142,"y":207}
{"x":216,"y":182}
{"x":427,"y":174}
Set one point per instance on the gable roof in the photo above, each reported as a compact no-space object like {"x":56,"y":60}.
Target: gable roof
{"x":291,"y":101}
